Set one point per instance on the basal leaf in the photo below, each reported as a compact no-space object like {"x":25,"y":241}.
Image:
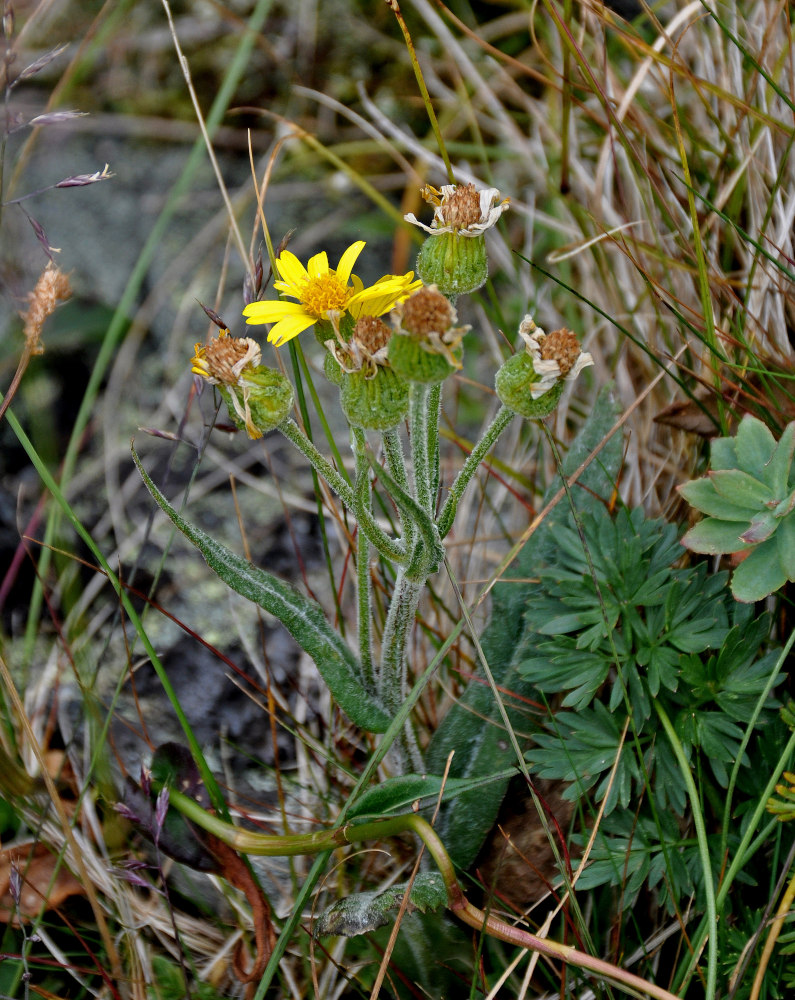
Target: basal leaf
{"x":714,"y":537}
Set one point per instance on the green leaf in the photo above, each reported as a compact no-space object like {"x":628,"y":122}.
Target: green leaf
{"x":741,"y":488}
{"x":785,"y":539}
{"x":755,"y":446}
{"x":303,"y":618}
{"x":701,"y":494}
{"x":723,"y":454}
{"x":428,"y":556}
{"x":581,"y":750}
{"x":715,"y":537}
{"x":778,"y":471}
{"x":366,"y":911}
{"x":762,"y":526}
{"x":407,"y":792}
{"x":760,"y":574}
{"x":581,"y":674}
{"x":471,"y":726}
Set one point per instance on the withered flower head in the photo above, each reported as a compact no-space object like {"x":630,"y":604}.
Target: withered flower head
{"x":366,"y":349}
{"x":555,"y":355}
{"x":229,"y":363}
{"x":223,"y":360}
{"x":428,"y":320}
{"x":461,"y":209}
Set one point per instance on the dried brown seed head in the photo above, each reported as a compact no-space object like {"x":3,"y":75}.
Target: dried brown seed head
{"x":563,"y":347}
{"x":427,"y":311}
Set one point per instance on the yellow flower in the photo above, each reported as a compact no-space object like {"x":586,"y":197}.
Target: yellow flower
{"x":322,"y":291}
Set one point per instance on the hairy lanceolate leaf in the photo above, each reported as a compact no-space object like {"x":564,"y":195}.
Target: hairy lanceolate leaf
{"x":407,"y":793}
{"x":366,"y":911}
{"x":473,"y":727}
{"x":303,"y":618}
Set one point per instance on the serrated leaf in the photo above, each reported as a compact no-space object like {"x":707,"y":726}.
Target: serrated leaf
{"x":714,"y":537}
{"x":363,"y":912}
{"x":303,"y":618}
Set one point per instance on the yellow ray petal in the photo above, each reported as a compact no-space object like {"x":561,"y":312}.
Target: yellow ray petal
{"x":288,"y":328}
{"x":290,"y":268}
{"x":348,"y":259}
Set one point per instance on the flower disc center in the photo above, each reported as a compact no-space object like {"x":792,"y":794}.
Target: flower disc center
{"x":326,"y":292}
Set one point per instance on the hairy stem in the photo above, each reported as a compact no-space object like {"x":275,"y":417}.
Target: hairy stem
{"x":388,"y":547}
{"x":503,"y":417}
{"x":364,"y":601}
{"x":324,"y":840}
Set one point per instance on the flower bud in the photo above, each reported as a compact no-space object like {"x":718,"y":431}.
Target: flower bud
{"x":378,"y":402}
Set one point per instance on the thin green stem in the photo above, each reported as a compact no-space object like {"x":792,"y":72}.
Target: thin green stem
{"x":750,"y":729}
{"x":388,"y":547}
{"x":364,"y":602}
{"x":393,"y":676}
{"x":396,"y":464}
{"x":325,"y":840}
{"x":703,"y":846}
{"x":742,"y":855}
{"x":434,"y":412}
{"x":426,"y":97}
{"x":503,"y":417}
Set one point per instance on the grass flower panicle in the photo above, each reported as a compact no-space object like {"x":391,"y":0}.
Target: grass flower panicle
{"x":322,"y":291}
